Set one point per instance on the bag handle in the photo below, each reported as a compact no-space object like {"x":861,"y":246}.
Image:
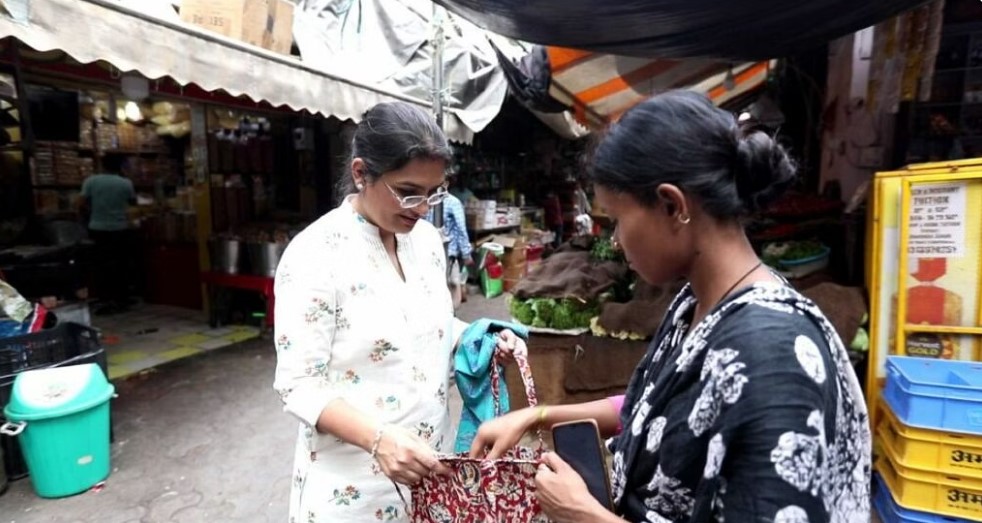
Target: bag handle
{"x":525,"y":370}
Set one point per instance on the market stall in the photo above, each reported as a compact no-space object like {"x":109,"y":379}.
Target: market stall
{"x":591,"y":317}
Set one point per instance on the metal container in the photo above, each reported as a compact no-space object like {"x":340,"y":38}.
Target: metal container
{"x":225,"y":255}
{"x":264,"y":257}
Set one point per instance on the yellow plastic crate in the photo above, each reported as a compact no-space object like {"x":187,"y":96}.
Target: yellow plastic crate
{"x":930,"y":450}
{"x":942,"y":494}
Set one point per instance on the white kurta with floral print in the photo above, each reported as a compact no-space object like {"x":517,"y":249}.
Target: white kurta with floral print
{"x":347,"y":326}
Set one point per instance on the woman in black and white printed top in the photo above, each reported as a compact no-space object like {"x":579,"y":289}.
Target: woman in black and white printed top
{"x":745,"y":407}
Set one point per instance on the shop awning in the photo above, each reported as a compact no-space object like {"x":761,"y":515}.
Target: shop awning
{"x":599,"y":87}
{"x":741,"y":31}
{"x":92,"y":30}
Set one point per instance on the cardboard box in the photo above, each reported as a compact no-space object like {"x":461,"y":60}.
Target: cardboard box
{"x":263,"y":23}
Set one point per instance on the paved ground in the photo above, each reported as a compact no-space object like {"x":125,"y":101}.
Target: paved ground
{"x":202,"y":439}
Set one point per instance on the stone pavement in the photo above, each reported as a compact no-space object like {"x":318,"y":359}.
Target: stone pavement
{"x":202,"y":439}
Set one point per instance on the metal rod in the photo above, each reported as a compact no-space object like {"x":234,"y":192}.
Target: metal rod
{"x":438,"y":43}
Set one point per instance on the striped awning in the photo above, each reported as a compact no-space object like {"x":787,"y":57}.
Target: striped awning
{"x":599,"y":87}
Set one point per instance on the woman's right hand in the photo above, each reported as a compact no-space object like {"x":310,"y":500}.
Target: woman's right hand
{"x":405,"y":458}
{"x":503,"y":433}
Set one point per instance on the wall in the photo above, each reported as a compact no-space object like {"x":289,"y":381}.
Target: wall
{"x":856,"y":138}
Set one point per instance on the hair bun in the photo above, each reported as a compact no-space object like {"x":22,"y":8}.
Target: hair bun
{"x":763,"y":171}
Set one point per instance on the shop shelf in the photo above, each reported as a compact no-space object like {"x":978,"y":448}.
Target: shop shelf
{"x":935,"y":394}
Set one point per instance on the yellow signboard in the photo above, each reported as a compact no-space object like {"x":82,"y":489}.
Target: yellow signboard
{"x":926,"y":226}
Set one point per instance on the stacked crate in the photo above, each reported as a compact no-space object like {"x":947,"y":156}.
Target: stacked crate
{"x":930,"y":440}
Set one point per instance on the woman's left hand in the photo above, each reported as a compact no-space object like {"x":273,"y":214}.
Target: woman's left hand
{"x":562,"y":493}
{"x":509,"y":344}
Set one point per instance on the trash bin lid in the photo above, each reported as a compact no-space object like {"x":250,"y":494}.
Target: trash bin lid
{"x":57,"y":391}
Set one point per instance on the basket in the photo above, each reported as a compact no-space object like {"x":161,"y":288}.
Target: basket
{"x":944,"y":452}
{"x":40,"y":349}
{"x":935,"y":394}
{"x":942,"y":494}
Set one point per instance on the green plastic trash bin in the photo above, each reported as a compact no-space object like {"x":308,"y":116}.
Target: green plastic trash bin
{"x":61,"y":416}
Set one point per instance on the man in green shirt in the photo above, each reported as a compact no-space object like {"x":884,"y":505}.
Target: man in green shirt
{"x":106,"y":198}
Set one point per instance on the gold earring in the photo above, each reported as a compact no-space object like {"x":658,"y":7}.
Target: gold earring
{"x":684,"y":219}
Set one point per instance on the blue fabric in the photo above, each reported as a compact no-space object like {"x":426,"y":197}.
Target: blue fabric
{"x":10,"y":328}
{"x":455,"y":225}
{"x":472,"y":372}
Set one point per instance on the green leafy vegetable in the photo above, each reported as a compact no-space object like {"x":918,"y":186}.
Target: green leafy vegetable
{"x":565,"y":314}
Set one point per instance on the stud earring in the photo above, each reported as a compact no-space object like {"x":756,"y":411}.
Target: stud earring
{"x":360,"y":186}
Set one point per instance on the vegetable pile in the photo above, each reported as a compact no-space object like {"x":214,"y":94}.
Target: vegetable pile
{"x":548,"y":313}
{"x":603,"y":250}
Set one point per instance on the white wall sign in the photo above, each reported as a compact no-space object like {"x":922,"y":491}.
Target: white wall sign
{"x":937,"y":220}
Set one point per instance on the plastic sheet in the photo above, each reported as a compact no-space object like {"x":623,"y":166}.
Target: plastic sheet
{"x":746,"y":30}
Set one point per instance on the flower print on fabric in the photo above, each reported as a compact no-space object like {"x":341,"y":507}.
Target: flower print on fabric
{"x":351,"y":377}
{"x":798,"y":457}
{"x":382,"y":349}
{"x":388,"y":403}
{"x":669,"y":496}
{"x":390,"y":513}
{"x":791,"y":514}
{"x":724,"y":385}
{"x":714,"y":457}
{"x":810,"y":358}
{"x":617,"y":476}
{"x":346,"y":496}
{"x":317,"y":310}
{"x":656,"y":431}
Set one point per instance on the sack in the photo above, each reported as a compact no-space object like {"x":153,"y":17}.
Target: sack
{"x":481,"y":490}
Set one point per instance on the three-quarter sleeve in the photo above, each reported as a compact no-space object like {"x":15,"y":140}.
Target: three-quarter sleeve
{"x":306,"y":306}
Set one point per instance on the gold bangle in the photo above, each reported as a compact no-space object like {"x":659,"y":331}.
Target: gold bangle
{"x":542,"y":416}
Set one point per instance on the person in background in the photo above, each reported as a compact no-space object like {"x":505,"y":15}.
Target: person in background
{"x":582,"y":200}
{"x":554,"y":216}
{"x":462,"y":193}
{"x":745,"y":407}
{"x":105,"y":199}
{"x":365,"y":329}
{"x":459,"y":250}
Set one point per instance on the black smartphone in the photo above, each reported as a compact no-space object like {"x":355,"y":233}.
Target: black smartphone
{"x":578,"y":443}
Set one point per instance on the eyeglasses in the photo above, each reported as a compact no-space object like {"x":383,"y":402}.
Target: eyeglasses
{"x":408,"y":202}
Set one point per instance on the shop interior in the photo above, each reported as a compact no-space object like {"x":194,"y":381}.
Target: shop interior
{"x":251,"y":177}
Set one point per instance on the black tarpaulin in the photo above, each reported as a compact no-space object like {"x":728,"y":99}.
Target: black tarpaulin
{"x":735,"y":30}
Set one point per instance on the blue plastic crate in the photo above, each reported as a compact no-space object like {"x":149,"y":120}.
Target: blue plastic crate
{"x":935,"y":394}
{"x":890,"y":512}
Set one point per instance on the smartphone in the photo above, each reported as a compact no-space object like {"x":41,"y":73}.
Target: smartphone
{"x":578,"y":443}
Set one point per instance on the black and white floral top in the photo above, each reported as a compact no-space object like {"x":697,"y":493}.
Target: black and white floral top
{"x":755,"y":414}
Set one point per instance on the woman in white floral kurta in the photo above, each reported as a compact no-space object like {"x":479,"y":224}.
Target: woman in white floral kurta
{"x":365,"y":329}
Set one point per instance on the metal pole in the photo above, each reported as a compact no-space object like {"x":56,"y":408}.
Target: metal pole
{"x":438,"y":37}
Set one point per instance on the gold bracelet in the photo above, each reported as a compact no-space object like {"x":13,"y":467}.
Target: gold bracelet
{"x":542,"y":416}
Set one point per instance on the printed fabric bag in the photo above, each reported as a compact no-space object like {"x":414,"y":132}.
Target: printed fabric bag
{"x":483,"y":490}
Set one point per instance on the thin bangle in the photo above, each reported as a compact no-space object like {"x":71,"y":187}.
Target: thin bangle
{"x":377,"y":441}
{"x":542,"y":416}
